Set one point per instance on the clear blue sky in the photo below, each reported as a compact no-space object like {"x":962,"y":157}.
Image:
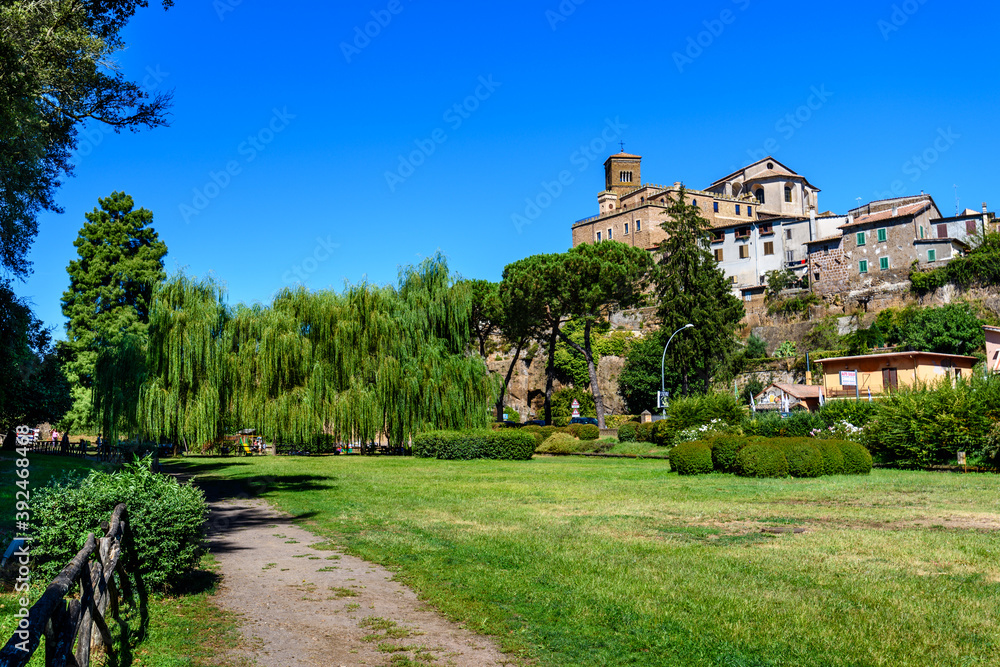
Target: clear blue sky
{"x":896,"y":78}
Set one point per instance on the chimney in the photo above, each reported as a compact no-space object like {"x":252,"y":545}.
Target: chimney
{"x":895,"y":210}
{"x":812,"y":221}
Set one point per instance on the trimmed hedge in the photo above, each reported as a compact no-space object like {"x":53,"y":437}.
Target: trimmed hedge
{"x":509,"y":445}
{"x":761,"y":460}
{"x":724,"y":451}
{"x":833,"y":458}
{"x":691,"y":458}
{"x":588,"y":432}
{"x":559,"y":443}
{"x":857,"y":459}
{"x":804,"y":460}
{"x":644,"y":432}
{"x":626,"y":432}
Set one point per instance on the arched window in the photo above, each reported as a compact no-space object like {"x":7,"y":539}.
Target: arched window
{"x":694,"y":202}
{"x":788,"y":194}
{"x":759,"y":194}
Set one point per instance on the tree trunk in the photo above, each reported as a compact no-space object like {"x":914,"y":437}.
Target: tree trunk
{"x":506,"y":380}
{"x":588,"y":352}
{"x":550,"y":374}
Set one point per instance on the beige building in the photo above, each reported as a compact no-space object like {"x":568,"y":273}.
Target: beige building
{"x":880,"y":373}
{"x":993,"y":348}
{"x":780,"y":191}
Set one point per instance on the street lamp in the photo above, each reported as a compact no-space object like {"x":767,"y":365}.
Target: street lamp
{"x":663,"y":361}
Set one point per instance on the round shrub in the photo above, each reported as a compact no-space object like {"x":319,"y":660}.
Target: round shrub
{"x":559,"y":443}
{"x":804,"y":460}
{"x":626,"y":432}
{"x":167,"y":519}
{"x":547,"y":432}
{"x":691,"y":458}
{"x":761,"y":460}
{"x":857,"y":459}
{"x":833,"y":459}
{"x":724,"y":451}
{"x":663,"y":433}
{"x":574,"y":429}
{"x":588,"y":432}
{"x":535,"y":431}
{"x":644,"y":432}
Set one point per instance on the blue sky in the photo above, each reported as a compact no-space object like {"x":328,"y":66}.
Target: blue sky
{"x":302,"y":150}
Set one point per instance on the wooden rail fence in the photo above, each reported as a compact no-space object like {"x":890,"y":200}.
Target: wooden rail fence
{"x":74,"y":628}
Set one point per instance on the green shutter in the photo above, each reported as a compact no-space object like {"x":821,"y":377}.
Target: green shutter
{"x":863,"y":266}
{"x":861,"y":238}
{"x":883,"y":263}
{"x":881,"y":235}
{"x":932,"y":255}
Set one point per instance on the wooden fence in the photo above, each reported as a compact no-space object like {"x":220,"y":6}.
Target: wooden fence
{"x":74,"y":628}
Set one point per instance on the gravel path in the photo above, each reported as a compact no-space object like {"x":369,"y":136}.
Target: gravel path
{"x":304,"y":606}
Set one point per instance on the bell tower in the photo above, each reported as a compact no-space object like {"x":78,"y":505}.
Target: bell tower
{"x":622,"y":173}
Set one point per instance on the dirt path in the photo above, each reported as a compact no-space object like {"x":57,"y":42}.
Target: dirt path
{"x":307,"y":607}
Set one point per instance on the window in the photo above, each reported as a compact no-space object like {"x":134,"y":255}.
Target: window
{"x":790,"y":256}
{"x":732,"y":279}
{"x":718,"y":236}
{"x":788,"y":194}
{"x":737,"y":209}
{"x":718,"y":254}
{"x":626,"y":229}
{"x":970,"y":227}
{"x":638,"y":225}
{"x":749,"y":212}
{"x":921,"y":232}
{"x":598,"y":237}
{"x":770,"y":165}
{"x":788,"y":235}
{"x":694,"y":202}
{"x":759,"y":194}
{"x":743,"y":233}
{"x":816,"y":277}
{"x":625,"y":176}
{"x":609,"y":233}
{"x":826,"y":250}
{"x":766,"y":228}
{"x":769,"y":248}
{"x":883,"y":263}
{"x":882,"y":235}
{"x":932,"y":255}
{"x":863,"y":266}
{"x":744,"y":251}
{"x":715,"y":207}
{"x":861,"y":238}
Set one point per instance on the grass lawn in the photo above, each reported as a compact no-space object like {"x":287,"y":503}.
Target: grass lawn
{"x":579,"y":561}
{"x":186,"y":630}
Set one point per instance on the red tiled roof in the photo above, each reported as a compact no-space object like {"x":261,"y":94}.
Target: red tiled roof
{"x":901,"y":212}
{"x":799,"y":391}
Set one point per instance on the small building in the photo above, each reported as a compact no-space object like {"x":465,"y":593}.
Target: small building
{"x":846,"y":377}
{"x":798,"y":395}
{"x":993,"y":348}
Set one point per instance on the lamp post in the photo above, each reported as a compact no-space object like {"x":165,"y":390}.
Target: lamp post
{"x":663,"y":361}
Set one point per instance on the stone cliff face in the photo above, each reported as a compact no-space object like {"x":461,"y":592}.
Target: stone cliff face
{"x":526,"y":392}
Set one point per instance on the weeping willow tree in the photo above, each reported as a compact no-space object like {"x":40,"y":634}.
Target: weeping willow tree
{"x":354,"y":365}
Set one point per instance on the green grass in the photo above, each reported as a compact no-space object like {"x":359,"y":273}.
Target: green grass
{"x":575,"y":561}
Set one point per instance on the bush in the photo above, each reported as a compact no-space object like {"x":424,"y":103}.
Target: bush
{"x":559,"y":443}
{"x":536,"y":432}
{"x":833,"y":458}
{"x":588,"y":432}
{"x":548,"y":431}
{"x":857,"y":459}
{"x":691,"y":458}
{"x":858,"y":413}
{"x":663,"y":433}
{"x":574,"y":429}
{"x":644,"y":432}
{"x":771,"y":425}
{"x":167,"y":519}
{"x":804,"y":459}
{"x":724,"y":451}
{"x":510,"y":445}
{"x":761,"y":460}
{"x":626,"y":432}
{"x":684,"y":413}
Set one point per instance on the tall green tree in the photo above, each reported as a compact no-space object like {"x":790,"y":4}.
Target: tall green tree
{"x":120,"y":261}
{"x":32,"y":386}
{"x":487,"y":311}
{"x":598,"y":280}
{"x":691,"y":288}
{"x":534,"y":293}
{"x":57,"y":72}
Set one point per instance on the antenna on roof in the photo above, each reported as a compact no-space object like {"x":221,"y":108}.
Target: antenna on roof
{"x":957,"y":209}
{"x":859,"y":201}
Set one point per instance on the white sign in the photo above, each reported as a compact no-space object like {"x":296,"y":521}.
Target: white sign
{"x":848,"y":378}
{"x":661,"y":399}
{"x":961,"y":458}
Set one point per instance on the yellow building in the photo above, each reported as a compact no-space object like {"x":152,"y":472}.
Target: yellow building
{"x":879,"y":373}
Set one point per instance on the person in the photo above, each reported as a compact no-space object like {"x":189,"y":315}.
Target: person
{"x":55,"y":436}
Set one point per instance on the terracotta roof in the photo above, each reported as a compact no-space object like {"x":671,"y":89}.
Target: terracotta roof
{"x":896,"y":355}
{"x":624,"y":155}
{"x":901,"y":212}
{"x":826,"y":239}
{"x":799,"y":391}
